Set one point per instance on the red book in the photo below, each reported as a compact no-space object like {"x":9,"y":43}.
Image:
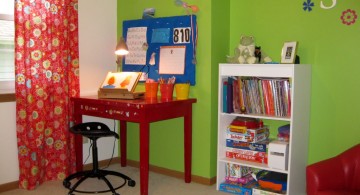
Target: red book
{"x":271,"y":97}
{"x":266,"y":97}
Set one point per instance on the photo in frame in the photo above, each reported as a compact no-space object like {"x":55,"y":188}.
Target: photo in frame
{"x":288,"y":52}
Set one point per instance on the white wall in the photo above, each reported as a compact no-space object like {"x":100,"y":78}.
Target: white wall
{"x":9,"y":164}
{"x":97,"y":34}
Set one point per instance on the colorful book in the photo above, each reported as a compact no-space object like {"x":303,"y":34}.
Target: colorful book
{"x":266,"y":97}
{"x":271,"y":97}
{"x":261,"y":96}
{"x":230,"y":108}
{"x":241,"y":97}
{"x":236,"y":97}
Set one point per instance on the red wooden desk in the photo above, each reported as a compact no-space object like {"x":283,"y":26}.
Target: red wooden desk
{"x":139,"y":111}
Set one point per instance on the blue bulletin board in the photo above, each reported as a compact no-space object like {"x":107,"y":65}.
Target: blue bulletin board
{"x":162,"y":47}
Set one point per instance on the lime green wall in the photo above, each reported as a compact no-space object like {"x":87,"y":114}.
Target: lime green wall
{"x":332,"y":49}
{"x":324,"y":42}
{"x":219,"y":29}
{"x":166,"y":143}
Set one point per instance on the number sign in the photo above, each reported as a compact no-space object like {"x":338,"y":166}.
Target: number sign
{"x":181,"y":35}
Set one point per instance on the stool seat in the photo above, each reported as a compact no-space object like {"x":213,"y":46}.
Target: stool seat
{"x":93,"y":131}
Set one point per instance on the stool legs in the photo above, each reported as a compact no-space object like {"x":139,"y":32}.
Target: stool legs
{"x":96,"y":173}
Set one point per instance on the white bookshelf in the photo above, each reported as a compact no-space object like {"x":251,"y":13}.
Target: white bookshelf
{"x":300,"y":81}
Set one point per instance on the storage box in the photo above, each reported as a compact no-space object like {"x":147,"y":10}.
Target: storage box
{"x":248,"y":155}
{"x":249,"y":123}
{"x":258,"y":191}
{"x":247,"y":137}
{"x":247,"y":131}
{"x":260,"y":146}
{"x":243,"y":189}
{"x":237,"y":173}
{"x":273,"y":181}
{"x":278,"y":153}
{"x":240,"y":180}
{"x":235,"y":170}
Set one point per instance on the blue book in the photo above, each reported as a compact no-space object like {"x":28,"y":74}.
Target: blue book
{"x":224,"y":100}
{"x":230,"y":108}
{"x":242,"y":189}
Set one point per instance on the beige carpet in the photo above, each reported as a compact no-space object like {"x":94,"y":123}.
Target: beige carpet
{"x":158,"y":185}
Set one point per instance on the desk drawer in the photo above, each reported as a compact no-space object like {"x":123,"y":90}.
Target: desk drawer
{"x":123,"y":113}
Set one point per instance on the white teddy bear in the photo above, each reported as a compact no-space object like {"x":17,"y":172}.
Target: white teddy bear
{"x":245,"y":52}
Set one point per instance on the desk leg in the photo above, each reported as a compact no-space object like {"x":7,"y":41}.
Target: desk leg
{"x":78,"y":144}
{"x":188,"y":143}
{"x":144,"y":157}
{"x":123,"y":132}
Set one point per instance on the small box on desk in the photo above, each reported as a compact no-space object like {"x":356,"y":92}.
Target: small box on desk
{"x":278,"y":153}
{"x":119,"y":93}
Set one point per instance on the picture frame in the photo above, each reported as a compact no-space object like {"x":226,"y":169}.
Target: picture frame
{"x":288,"y":52}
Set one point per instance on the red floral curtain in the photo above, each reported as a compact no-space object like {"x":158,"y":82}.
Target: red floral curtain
{"x":47,"y":75}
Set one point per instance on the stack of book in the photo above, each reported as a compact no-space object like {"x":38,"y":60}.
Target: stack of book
{"x":247,"y":139}
{"x":259,"y":96}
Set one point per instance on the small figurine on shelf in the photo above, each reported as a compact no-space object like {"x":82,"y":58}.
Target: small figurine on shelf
{"x":245,"y":52}
{"x":242,"y":109}
{"x":261,"y":57}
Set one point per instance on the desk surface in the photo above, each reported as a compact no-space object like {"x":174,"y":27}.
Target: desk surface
{"x":137,"y":110}
{"x":141,"y":101}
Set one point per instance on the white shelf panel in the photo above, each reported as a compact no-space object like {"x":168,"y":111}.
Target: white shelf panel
{"x":252,"y":164}
{"x":257,"y":116}
{"x":257,"y":70}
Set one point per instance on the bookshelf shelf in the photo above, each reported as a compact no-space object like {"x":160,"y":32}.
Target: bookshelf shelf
{"x":252,"y":164}
{"x":257,"y":116}
{"x":298,"y":76}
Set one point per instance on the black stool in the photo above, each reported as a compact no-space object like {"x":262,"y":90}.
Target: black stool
{"x":93,"y":131}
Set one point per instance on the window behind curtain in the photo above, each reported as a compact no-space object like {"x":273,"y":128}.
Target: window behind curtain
{"x":7,"y":50}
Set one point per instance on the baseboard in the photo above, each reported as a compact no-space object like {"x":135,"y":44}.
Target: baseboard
{"x":172,"y":173}
{"x":177,"y":174}
{"x":9,"y":186}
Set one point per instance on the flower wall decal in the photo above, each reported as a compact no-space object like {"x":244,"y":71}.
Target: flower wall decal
{"x":348,"y":17}
{"x":308,"y":5}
